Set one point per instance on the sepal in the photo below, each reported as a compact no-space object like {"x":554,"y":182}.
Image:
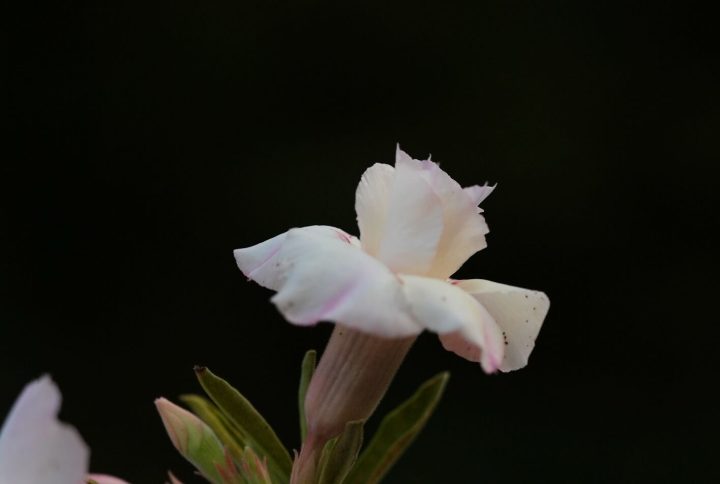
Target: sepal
{"x":340,"y":453}
{"x":251,"y":427}
{"x":306,"y":373}
{"x":397,"y":431}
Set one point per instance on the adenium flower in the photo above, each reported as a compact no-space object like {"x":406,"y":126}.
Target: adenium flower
{"x":417,"y":227}
{"x":36,"y":448}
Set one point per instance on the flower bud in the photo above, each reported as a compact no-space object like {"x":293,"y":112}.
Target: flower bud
{"x":196,"y":442}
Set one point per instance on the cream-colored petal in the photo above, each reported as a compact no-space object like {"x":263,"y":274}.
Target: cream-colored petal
{"x":479,"y":193}
{"x":414,"y":221}
{"x":322,"y":275}
{"x":259,"y":262}
{"x":36,"y":448}
{"x":518,"y":312}
{"x":464,"y":226}
{"x":451,"y":312}
{"x":459,"y":344}
{"x":402,"y":157}
{"x":372,"y":200}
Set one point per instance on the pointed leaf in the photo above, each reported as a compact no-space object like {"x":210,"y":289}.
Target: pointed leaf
{"x":397,"y":431}
{"x":254,"y":429}
{"x":340,"y":453}
{"x":306,"y":373}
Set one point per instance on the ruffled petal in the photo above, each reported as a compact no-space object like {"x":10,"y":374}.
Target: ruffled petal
{"x":518,"y":312}
{"x":34,"y":446}
{"x":479,"y":193}
{"x":414,"y":221}
{"x":372,"y":199}
{"x":465,"y":327}
{"x":464,"y":226}
{"x":260,"y":262}
{"x":323,"y":276}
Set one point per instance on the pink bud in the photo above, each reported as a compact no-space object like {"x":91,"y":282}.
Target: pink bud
{"x":179,"y":423}
{"x":195,"y":441}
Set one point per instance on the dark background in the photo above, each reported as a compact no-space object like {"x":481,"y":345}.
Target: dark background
{"x":148,"y":140}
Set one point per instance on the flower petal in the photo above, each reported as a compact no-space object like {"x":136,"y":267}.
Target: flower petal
{"x":518,"y":312}
{"x":34,"y":446}
{"x":464,"y":227}
{"x":323,"y":276}
{"x":260,"y":262}
{"x":479,"y":193}
{"x":414,"y":221}
{"x":371,"y":205}
{"x":465,"y":327}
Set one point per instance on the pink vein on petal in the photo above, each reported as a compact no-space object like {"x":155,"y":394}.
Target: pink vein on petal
{"x":336,"y":300}
{"x":343,"y":236}
{"x":494,"y":361}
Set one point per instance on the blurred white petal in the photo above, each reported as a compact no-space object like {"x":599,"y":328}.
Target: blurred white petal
{"x":36,"y":448}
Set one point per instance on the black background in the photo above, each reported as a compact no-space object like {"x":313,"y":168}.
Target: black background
{"x":148,"y":140}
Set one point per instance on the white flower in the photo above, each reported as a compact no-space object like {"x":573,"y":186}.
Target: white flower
{"x":417,"y":227}
{"x":36,"y":448}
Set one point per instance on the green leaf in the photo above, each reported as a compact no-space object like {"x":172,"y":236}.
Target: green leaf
{"x":306,"y":373}
{"x":397,"y":431}
{"x":253,"y":428}
{"x":214,"y":418}
{"x":340,"y":453}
